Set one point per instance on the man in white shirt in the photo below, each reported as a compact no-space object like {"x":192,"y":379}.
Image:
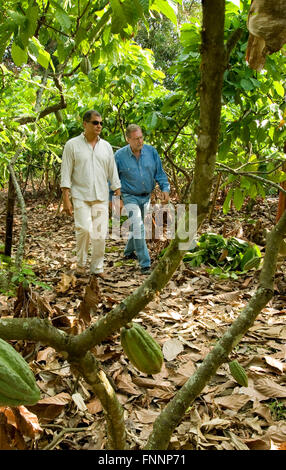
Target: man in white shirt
{"x":87,"y":166}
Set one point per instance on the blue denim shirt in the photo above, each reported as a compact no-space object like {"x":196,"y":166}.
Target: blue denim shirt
{"x":139,"y":176}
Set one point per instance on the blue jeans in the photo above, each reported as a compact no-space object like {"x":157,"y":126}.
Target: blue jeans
{"x":136,"y":208}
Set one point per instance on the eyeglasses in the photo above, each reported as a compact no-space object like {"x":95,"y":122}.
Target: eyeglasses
{"x":95,"y":123}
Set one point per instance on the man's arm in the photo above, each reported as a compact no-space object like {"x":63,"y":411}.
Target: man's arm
{"x":66,"y":172}
{"x":161,"y":178}
{"x":113,"y":176}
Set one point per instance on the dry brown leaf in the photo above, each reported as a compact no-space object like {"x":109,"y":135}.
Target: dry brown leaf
{"x":10,"y":416}
{"x":151,"y":383}
{"x":90,"y":301}
{"x":187,"y":369}
{"x":94,"y":406}
{"x":227,"y":297}
{"x":146,"y":416}
{"x":162,"y":394}
{"x":65,"y":283}
{"x":278,"y":331}
{"x":49,"y":408}
{"x":60,"y":399}
{"x":217,"y":423}
{"x":27,"y":422}
{"x":275,"y":363}
{"x":128,"y":283}
{"x":171,"y":315}
{"x":183,"y":373}
{"x":277,"y":432}
{"x":46,"y":354}
{"x":238,"y":443}
{"x":10,"y":437}
{"x":79,"y":401}
{"x":232,"y":402}
{"x":124,"y":383}
{"x":171,"y":349}
{"x":262,"y":410}
{"x":269,"y":388}
{"x":92,"y":295}
{"x":258,"y":443}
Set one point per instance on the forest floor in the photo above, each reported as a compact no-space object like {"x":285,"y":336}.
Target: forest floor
{"x":186,"y":319}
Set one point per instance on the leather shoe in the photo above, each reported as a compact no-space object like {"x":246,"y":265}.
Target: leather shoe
{"x":131,"y":256}
{"x":80,"y":271}
{"x":100,"y":275}
{"x":146,"y":270}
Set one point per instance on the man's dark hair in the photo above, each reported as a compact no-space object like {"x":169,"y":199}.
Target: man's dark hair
{"x":87,"y":115}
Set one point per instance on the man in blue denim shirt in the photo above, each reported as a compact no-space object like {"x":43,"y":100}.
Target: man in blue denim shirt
{"x":139,"y":168}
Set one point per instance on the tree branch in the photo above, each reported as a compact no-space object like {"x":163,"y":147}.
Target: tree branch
{"x":49,"y":109}
{"x":225,"y":168}
{"x":231,"y":42}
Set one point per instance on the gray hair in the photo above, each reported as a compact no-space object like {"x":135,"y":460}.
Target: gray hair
{"x":87,"y":115}
{"x":132,"y":128}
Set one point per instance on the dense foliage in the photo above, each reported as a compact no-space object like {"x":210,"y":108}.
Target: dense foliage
{"x":45,"y":89}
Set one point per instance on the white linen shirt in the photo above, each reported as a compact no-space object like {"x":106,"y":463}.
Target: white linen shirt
{"x":86,"y":170}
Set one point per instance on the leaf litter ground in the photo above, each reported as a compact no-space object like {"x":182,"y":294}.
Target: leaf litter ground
{"x":186,"y":319}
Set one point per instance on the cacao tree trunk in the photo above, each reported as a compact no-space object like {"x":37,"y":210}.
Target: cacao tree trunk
{"x":282,"y":197}
{"x":10,"y":217}
{"x":22,"y":237}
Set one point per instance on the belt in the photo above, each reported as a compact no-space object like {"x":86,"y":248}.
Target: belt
{"x":142,"y":194}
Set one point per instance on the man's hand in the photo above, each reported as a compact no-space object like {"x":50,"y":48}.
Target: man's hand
{"x":68,"y":208}
{"x":67,"y":205}
{"x":164,"y":197}
{"x":116,"y":206}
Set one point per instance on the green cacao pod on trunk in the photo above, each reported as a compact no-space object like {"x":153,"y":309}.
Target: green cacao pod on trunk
{"x":17,"y":382}
{"x":238,"y":373}
{"x":141,"y":349}
{"x":59,"y":115}
{"x":85,"y":66}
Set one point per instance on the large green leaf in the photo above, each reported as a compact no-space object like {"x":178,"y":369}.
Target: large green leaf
{"x":39,"y":53}
{"x":28,"y":29}
{"x":19,"y":56}
{"x":165,"y":7}
{"x":238,"y":198}
{"x":279,"y":88}
{"x":62,"y":16}
{"x":227,"y":201}
{"x":145,"y":5}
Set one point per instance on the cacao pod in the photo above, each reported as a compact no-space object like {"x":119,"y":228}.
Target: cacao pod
{"x":59,"y":115}
{"x":17,"y":382}
{"x":85,"y":66}
{"x":141,"y":349}
{"x":238,"y":373}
